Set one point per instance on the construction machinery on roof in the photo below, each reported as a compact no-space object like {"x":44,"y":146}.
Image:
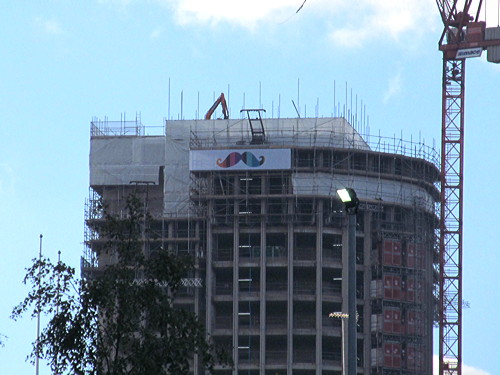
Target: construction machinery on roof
{"x":222,"y":101}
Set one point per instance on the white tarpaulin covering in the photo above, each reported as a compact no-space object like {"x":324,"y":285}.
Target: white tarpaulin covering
{"x":176,"y":188}
{"x":367,"y":188}
{"x":122,"y":160}
{"x":308,"y":132}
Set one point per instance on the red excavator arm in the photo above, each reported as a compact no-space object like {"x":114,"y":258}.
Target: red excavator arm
{"x":222,"y":101}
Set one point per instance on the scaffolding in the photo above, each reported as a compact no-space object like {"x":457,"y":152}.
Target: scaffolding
{"x":269,"y":243}
{"x":400,"y":209}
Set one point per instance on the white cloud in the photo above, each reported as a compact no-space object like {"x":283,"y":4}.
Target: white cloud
{"x":490,"y":12}
{"x":244,"y":13}
{"x":48,"y":26}
{"x":351,"y":23}
{"x":122,"y":3}
{"x":372,"y":19}
{"x":156,"y":33}
{"x":394,"y":87}
{"x":466,"y":370}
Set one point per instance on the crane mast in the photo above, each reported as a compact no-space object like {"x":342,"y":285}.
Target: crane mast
{"x":450,"y":265}
{"x":463,"y":36}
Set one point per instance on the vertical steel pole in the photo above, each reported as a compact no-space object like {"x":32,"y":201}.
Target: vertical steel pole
{"x":37,"y":359}
{"x":344,"y":346}
{"x":351,"y":304}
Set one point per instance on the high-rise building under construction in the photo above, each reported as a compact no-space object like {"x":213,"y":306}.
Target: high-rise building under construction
{"x":254,"y":201}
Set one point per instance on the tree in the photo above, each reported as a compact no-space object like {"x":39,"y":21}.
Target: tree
{"x":120,"y":318}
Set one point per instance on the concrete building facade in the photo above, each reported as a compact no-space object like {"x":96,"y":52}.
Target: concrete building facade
{"x":254,"y":201}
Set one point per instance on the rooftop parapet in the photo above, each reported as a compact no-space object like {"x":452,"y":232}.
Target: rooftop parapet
{"x":292,"y":132}
{"x":297,"y":132}
{"x":123,"y":128}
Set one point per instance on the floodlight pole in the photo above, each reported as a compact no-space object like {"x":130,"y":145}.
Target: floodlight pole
{"x":351,"y":293}
{"x":351,"y":202}
{"x":343,"y":317}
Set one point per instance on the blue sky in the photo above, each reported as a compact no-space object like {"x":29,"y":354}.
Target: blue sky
{"x":64,"y":62}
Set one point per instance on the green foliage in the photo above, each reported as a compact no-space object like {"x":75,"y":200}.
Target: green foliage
{"x":2,"y":340}
{"x":120,"y":318}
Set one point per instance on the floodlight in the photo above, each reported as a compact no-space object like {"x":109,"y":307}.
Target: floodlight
{"x":338,"y":315}
{"x":349,"y":198}
{"x":344,"y":195}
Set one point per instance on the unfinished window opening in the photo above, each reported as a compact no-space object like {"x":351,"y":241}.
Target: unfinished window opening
{"x":223,"y":312}
{"x":223,"y":212}
{"x":249,"y":245}
{"x":339,"y":160}
{"x":277,"y":209}
{"x":250,"y":184}
{"x":276,"y":280}
{"x":184,"y":229}
{"x":360,"y":252}
{"x":327,"y":160}
{"x":399,"y":214}
{"x":276,"y":245}
{"x":279,"y":184}
{"x":332,"y":281}
{"x":185,"y":248}
{"x":359,"y":285}
{"x":249,"y":314}
{"x":398,"y":166}
{"x":223,"y":185}
{"x":250,"y":207}
{"x":332,"y":247}
{"x":223,"y":281}
{"x":386,"y":165}
{"x":332,"y":349}
{"x":223,"y":247}
{"x":248,"y":351}
{"x":304,"y":315}
{"x":359,"y":162}
{"x":304,"y":281}
{"x":276,"y":348}
{"x":304,"y":350}
{"x":375,"y":164}
{"x":305,"y":211}
{"x":304,"y":158}
{"x":249,"y":280}
{"x":305,"y":246}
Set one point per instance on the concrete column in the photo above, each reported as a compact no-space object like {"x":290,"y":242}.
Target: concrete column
{"x":209,"y":279}
{"x":290,"y":293}
{"x":196,"y":290}
{"x":262,"y":317}
{"x":236,"y":261}
{"x":367,"y":276}
{"x":351,"y":305}
{"x":345,"y":257}
{"x":319,"y":288}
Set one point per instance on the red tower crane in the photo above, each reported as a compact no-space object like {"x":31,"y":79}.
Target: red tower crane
{"x":463,"y":36}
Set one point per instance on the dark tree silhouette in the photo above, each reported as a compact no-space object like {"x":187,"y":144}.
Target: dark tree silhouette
{"x":119,"y":318}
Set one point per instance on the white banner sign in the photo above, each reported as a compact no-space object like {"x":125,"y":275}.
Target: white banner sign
{"x":242,"y":159}
{"x":469,"y":52}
